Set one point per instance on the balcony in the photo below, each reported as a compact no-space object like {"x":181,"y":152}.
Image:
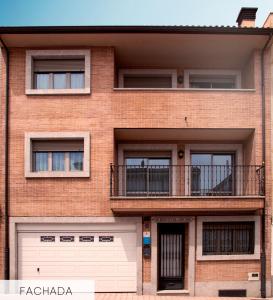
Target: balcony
{"x":186,"y":187}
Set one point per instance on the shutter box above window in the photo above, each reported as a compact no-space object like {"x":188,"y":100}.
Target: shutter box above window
{"x":58,"y":145}
{"x":58,"y":65}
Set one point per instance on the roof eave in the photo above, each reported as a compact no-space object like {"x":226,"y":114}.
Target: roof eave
{"x":135,"y":29}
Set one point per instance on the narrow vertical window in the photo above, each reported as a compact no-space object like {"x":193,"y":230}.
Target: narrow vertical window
{"x":76,"y":161}
{"x":77,"y":80}
{"x":58,"y":161}
{"x":59,"y":80}
{"x":42,"y":81}
{"x":40,"y":161}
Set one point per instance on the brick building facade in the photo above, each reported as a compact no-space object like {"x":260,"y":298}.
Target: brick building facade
{"x":136,"y":157}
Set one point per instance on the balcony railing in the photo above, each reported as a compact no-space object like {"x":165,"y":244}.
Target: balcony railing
{"x":186,"y":180}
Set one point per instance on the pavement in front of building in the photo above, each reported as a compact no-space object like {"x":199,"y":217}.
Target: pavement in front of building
{"x":132,"y":296}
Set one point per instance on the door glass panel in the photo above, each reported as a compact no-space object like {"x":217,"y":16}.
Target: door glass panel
{"x":211,"y":174}
{"x":159,"y":175}
{"x":222,"y":173}
{"x":136,"y":175}
{"x":200,"y":173}
{"x":147,"y":175}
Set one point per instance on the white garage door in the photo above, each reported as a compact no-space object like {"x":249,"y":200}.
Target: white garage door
{"x":107,"y":257}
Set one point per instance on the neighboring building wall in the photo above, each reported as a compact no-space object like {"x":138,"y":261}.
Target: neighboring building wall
{"x":2,"y":112}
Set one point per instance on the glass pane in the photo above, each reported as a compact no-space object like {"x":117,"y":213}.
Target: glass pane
{"x":136,"y":161}
{"x":76,"y":161}
{"x":59,"y":80}
{"x":200,"y":85}
{"x":211,"y":174}
{"x":223,"y":85}
{"x":222,"y":173}
{"x":40,"y":161}
{"x":42,"y":81}
{"x":148,"y":81}
{"x":58,"y":161}
{"x":136,"y":175}
{"x":200,"y":173}
{"x":221,"y":238}
{"x":159,"y":175}
{"x":77,"y":80}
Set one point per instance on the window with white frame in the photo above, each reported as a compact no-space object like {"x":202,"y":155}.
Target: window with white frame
{"x":58,"y":74}
{"x":147,"y":78}
{"x":57,"y":71}
{"x":58,"y":156}
{"x":212,"y":79}
{"x":228,"y":237}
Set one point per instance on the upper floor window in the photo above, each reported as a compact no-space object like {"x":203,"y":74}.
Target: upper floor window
{"x":212,"y":79}
{"x":59,"y":155}
{"x":147,"y":78}
{"x":212,"y":82}
{"x":58,"y":71}
{"x":58,"y":74}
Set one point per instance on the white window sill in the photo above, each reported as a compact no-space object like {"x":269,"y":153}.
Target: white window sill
{"x":254,"y":256}
{"x":55,"y":174}
{"x":58,"y":91}
{"x":184,"y":89}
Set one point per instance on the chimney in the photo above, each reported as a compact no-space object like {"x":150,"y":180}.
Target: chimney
{"x":269,"y":21}
{"x":247,"y":17}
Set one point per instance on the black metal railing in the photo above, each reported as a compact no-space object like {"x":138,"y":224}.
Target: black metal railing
{"x":186,"y":180}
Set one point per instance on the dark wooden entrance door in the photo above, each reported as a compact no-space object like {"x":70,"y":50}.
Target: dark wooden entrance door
{"x":171,"y":256}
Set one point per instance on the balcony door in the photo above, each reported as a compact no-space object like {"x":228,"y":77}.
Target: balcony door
{"x":147,"y":176}
{"x":212,"y":174}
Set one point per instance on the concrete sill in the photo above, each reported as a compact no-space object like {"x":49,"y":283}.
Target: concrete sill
{"x":183,"y":89}
{"x":173,"y":293}
{"x":43,"y":92}
{"x":184,"y":197}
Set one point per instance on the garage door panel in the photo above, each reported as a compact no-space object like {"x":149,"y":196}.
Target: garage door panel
{"x":119,"y":239}
{"x":91,"y":270}
{"x":107,"y":257}
{"x":68,"y":254}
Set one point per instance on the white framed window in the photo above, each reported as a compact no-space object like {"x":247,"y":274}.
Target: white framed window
{"x":148,"y":78}
{"x":228,"y":237}
{"x":212,"y":79}
{"x":57,"y":154}
{"x":57,"y":72}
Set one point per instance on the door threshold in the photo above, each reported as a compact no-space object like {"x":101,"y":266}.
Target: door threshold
{"x":173,"y":292}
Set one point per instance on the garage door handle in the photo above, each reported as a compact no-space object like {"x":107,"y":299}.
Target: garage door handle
{"x":38,"y":269}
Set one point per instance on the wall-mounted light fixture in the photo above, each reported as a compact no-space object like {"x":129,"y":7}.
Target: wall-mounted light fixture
{"x":180,"y":79}
{"x":180,"y":154}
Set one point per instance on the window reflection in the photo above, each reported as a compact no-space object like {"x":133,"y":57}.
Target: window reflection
{"x":212,"y":174}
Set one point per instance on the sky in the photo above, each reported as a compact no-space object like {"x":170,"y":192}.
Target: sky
{"x":127,"y":12}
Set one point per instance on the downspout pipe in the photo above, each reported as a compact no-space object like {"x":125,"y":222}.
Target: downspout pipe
{"x":263,"y":238}
{"x":6,"y":165}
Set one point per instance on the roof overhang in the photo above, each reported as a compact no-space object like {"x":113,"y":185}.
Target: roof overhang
{"x":183,"y":134}
{"x":152,"y":46}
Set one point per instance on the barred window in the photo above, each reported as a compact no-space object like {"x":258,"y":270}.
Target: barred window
{"x":228,"y":238}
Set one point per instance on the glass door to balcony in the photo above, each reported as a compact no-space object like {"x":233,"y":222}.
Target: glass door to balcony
{"x":212,"y":174}
{"x":147,"y":176}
